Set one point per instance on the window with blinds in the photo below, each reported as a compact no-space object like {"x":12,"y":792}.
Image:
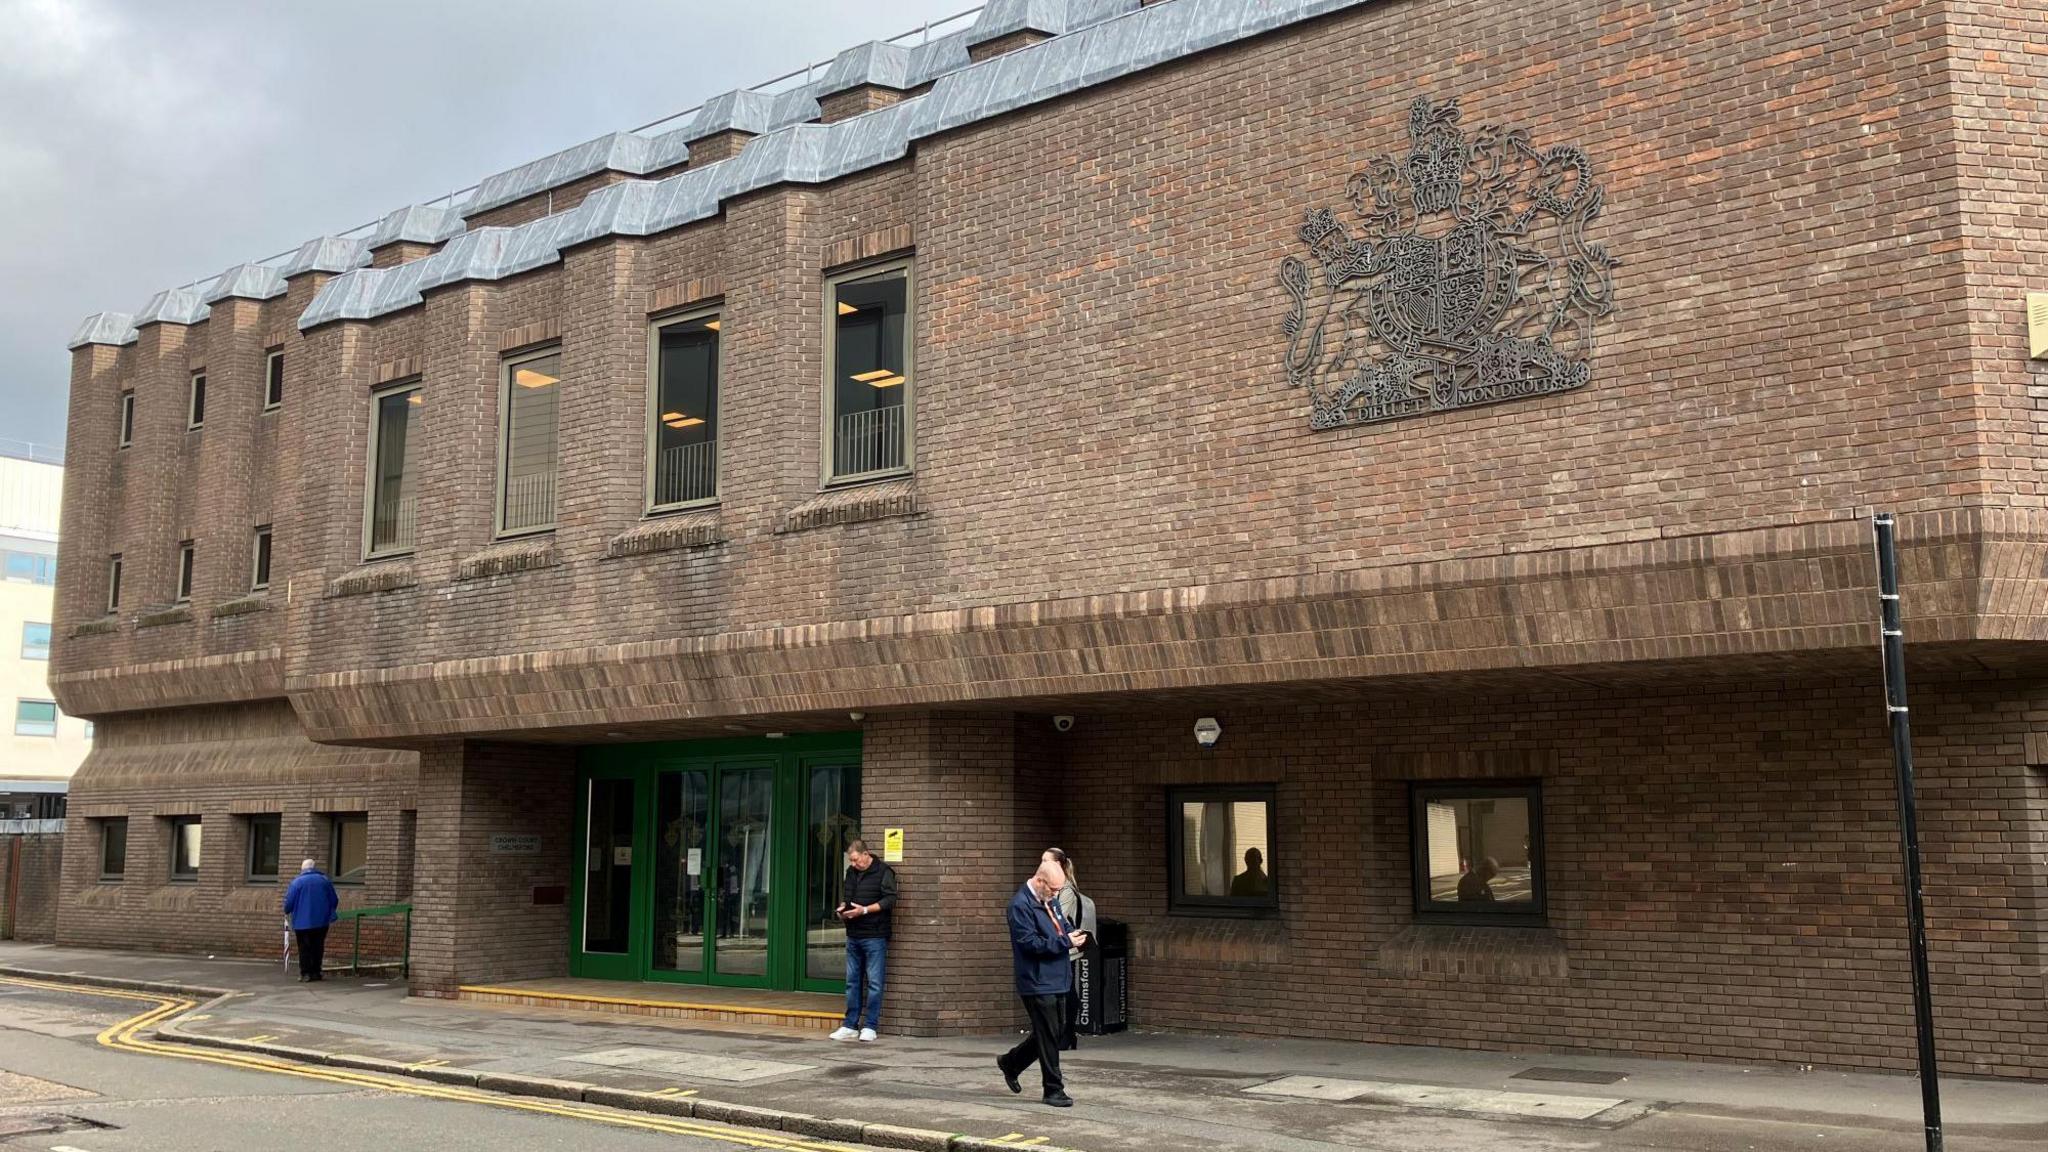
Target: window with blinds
{"x":526,"y":459}
{"x":393,"y":499}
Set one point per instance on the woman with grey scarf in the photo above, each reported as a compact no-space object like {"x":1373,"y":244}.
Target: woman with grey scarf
{"x":1077,"y":910}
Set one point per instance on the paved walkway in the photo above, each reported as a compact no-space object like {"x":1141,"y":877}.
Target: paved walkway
{"x":1144,"y":1090}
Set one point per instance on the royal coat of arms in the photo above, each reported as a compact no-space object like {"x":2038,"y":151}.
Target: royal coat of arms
{"x":1466,"y":279}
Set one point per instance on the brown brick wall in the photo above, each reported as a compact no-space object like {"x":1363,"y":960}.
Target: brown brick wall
{"x":1723,"y":874}
{"x":31,"y":869}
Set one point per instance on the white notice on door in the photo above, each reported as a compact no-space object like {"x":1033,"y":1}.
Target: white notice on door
{"x":695,"y":864}
{"x":623,"y":856}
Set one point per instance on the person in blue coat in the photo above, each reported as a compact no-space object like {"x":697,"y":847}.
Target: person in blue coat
{"x":1039,"y":941}
{"x":310,"y":905}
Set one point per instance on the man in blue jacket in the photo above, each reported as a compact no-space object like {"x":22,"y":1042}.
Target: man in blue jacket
{"x":1039,"y":941}
{"x":309,"y":907}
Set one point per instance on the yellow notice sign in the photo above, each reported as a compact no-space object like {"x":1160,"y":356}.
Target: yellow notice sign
{"x":892,"y":845}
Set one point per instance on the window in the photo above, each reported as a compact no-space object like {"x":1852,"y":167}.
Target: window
{"x":127,"y":418}
{"x":114,"y":582}
{"x":184,"y":571}
{"x":35,"y":641}
{"x":88,"y":730}
{"x":273,"y":381}
{"x":35,"y":718}
{"x":348,"y":848}
{"x":526,"y":455}
{"x":196,"y":416}
{"x":394,"y":495}
{"x":683,"y":436}
{"x":259,"y":574}
{"x":31,"y":568}
{"x":1478,"y":852}
{"x":113,"y":847}
{"x":1220,"y":860}
{"x":265,"y":834}
{"x":185,"y":836}
{"x":868,"y":373}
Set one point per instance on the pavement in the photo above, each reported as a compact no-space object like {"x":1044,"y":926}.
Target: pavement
{"x":1139,"y":1090}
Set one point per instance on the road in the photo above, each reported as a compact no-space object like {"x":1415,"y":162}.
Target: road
{"x":62,"y":1089}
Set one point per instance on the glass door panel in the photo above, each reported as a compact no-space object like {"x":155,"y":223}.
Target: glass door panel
{"x":682,"y":855}
{"x":746,"y":803}
{"x":832,"y":817}
{"x":608,"y":868}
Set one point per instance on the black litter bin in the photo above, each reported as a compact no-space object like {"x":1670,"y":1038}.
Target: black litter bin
{"x":1103,"y":994}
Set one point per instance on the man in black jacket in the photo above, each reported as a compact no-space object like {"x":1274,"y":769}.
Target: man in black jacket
{"x":867,"y":898}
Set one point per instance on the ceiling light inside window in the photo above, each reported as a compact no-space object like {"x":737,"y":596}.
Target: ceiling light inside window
{"x":889,"y":381}
{"x":682,"y":421}
{"x":711,"y":324}
{"x":528,"y":378}
{"x":871,"y":377}
{"x":846,"y":309}
{"x":415,"y":398}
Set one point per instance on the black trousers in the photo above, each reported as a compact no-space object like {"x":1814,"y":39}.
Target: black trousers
{"x":1048,"y":1023}
{"x":312,"y":950}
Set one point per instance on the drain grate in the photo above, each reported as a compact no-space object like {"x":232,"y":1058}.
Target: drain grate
{"x":1571,"y":1075}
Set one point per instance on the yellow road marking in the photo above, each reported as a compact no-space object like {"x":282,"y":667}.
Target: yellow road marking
{"x":685,"y":1005}
{"x":125,"y":1037}
{"x":261,"y":1039}
{"x":427,"y":1064}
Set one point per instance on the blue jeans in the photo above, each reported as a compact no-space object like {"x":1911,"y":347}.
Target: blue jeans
{"x":866,"y":960}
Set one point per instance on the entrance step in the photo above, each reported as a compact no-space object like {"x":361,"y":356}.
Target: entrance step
{"x":804,"y":1011}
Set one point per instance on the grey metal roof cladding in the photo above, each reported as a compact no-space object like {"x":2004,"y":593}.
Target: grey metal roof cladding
{"x":417,"y":224}
{"x":248,"y":281}
{"x":115,"y":328}
{"x":1102,"y":41}
{"x":176,"y":306}
{"x":885,"y":65}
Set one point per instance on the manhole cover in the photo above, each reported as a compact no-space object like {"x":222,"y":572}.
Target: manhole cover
{"x":1571,"y":1075}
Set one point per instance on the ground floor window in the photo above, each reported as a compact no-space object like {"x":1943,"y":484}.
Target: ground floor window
{"x":1478,"y":851}
{"x":348,"y":848}
{"x":1220,"y":855}
{"x":113,"y":848}
{"x":265,"y":833}
{"x":185,"y":842}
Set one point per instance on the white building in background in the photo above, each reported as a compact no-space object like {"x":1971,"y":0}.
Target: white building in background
{"x":40,"y":748}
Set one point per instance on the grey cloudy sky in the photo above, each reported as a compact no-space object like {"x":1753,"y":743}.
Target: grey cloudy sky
{"x":147,"y":143}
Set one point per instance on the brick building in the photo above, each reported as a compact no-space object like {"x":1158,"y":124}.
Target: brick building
{"x":1473,"y":407}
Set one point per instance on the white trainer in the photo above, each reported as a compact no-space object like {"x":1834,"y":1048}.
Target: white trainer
{"x":844,"y":1034}
{"x":867,"y":1035}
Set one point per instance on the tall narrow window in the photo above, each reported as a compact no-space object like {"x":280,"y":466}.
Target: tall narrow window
{"x":265,"y":834}
{"x":185,"y":561}
{"x":35,"y":641}
{"x":114,"y":582}
{"x":684,"y":432}
{"x":185,"y":842}
{"x":113,"y":847}
{"x":348,"y":848}
{"x":393,"y":495}
{"x":195,"y":416}
{"x":35,"y":718}
{"x":273,"y":380}
{"x":259,"y":575}
{"x":526,"y":458}
{"x":868,"y":373}
{"x":127,"y":418}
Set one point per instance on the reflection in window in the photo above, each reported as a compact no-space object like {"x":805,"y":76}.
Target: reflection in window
{"x":533,"y":389}
{"x":35,"y":641}
{"x":265,"y":834}
{"x":185,"y":842}
{"x":35,"y":718}
{"x":1478,"y":850}
{"x":686,"y":412}
{"x":1222,"y":850}
{"x":869,"y":377}
{"x":393,"y":499}
{"x":349,"y":848}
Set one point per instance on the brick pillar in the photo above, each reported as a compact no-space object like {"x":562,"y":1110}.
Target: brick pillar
{"x":972,"y":825}
{"x":475,"y":918}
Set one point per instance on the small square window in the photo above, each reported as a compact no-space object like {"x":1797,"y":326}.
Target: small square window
{"x":113,"y":847}
{"x":195,"y":416}
{"x":1220,"y":859}
{"x":265,"y":834}
{"x":185,"y":563}
{"x":127,"y":418}
{"x":185,"y":842}
{"x":1478,"y":852}
{"x":259,"y":576}
{"x":35,"y":641}
{"x":114,"y":582}
{"x":35,"y":718}
{"x":273,"y":381}
{"x":348,"y":848}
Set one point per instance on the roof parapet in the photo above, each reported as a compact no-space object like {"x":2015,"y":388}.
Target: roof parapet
{"x":110,"y":328}
{"x":247,"y":282}
{"x":416,"y":224}
{"x":328,"y":254}
{"x":174,"y":306}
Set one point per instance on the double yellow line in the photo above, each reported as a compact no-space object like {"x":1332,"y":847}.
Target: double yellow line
{"x":126,"y":1037}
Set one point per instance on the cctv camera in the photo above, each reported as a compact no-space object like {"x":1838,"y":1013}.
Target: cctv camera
{"x":1063,"y":723}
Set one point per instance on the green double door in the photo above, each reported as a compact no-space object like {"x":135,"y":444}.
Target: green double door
{"x":716,"y":862}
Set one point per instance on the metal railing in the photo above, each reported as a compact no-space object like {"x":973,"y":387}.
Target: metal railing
{"x":393,"y":524}
{"x":530,"y":501}
{"x":32,"y":451}
{"x":686,"y":472}
{"x":403,"y":961}
{"x":870,"y":441}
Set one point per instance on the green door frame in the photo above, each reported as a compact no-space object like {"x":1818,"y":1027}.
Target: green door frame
{"x":792,"y":758}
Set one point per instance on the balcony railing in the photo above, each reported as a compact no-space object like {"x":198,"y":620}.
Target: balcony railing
{"x":870,"y":441}
{"x":392,"y":523}
{"x":530,"y":501}
{"x":686,"y":473}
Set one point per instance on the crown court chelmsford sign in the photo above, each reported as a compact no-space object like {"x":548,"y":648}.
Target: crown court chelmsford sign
{"x":1464,"y":278}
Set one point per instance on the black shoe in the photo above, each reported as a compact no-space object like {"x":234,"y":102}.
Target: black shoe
{"x":1059,"y":1100}
{"x":1010,"y":1078}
